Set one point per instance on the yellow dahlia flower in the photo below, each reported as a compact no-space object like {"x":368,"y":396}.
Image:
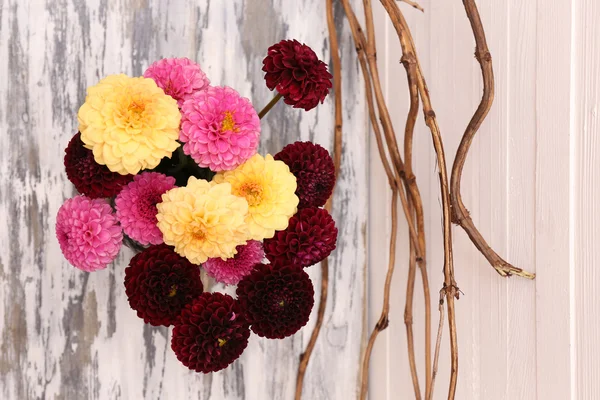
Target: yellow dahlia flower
{"x":129,"y":123}
{"x":202,"y":220}
{"x":268,"y":186}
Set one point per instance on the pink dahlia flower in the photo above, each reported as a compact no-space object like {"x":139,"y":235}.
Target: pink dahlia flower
{"x":136,"y":206}
{"x":220,"y":128}
{"x":232,"y":270}
{"x":88,"y":233}
{"x":180,"y":78}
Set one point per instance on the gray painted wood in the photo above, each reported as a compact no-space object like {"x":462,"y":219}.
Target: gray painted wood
{"x":66,"y":334}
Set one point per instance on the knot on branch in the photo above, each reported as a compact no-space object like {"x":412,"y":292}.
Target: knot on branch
{"x":483,"y":56}
{"x":408,"y":319}
{"x":458,"y":217}
{"x":449,"y":290}
{"x":408,"y":59}
{"x":429,"y":114}
{"x":383,"y":323}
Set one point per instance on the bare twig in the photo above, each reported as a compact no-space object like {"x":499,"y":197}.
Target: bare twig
{"x":408,"y":319}
{"x":438,"y":342}
{"x":460,"y":214}
{"x":305,"y":357}
{"x":383,"y":321}
{"x":417,"y":203}
{"x":337,"y":158}
{"x":413,"y":4}
{"x":369,"y":74}
{"x":450,"y":287}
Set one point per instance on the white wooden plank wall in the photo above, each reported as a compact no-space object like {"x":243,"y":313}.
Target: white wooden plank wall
{"x":531,"y":184}
{"x":65,"y":334}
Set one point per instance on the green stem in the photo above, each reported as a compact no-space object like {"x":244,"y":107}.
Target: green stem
{"x":268,"y":107}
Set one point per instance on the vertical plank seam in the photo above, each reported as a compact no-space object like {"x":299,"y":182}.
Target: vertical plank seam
{"x":507,"y":74}
{"x":572,"y":213}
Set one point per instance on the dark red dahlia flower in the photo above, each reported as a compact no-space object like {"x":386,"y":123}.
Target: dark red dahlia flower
{"x":89,"y":177}
{"x":276,"y":301}
{"x":159,"y":283}
{"x":310,"y":237}
{"x":210,"y":333}
{"x":297,"y":74}
{"x":313,"y":168}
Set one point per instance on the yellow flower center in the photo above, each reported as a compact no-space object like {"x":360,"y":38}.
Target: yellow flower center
{"x":137,"y":107}
{"x":199,"y":234}
{"x":173,"y":291}
{"x":281,"y":303}
{"x":228,"y":123}
{"x":252,"y":191}
{"x":132,"y":112}
{"x":197,"y":229}
{"x":221,"y":342}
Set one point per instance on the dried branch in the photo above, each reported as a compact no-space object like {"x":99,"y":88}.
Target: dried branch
{"x":438,"y":342}
{"x":408,"y":319}
{"x":393,"y":178}
{"x":417,"y":204}
{"x":450,"y":288}
{"x":460,"y":213}
{"x":337,"y":158}
{"x":383,"y":321}
{"x":413,"y":4}
{"x":305,"y":357}
{"x":370,"y":72}
{"x":368,"y":45}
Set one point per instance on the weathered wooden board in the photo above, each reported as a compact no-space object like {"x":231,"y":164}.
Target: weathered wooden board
{"x":65,"y":334}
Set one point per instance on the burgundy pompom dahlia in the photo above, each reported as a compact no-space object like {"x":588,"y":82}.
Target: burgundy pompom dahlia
{"x":276,"y":301}
{"x":298,"y":75}
{"x":89,"y":177}
{"x":314,"y":170}
{"x":310,"y":237}
{"x":159,"y":283}
{"x":210,"y":333}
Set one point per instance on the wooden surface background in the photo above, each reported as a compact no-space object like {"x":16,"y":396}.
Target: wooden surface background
{"x":531,"y":183}
{"x":66,"y":334}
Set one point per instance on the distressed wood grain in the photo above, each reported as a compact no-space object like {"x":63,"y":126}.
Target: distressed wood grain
{"x":65,"y":334}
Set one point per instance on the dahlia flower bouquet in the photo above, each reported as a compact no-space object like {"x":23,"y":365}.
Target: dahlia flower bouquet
{"x":168,"y":165}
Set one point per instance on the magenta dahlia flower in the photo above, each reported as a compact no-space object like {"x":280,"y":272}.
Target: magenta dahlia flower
{"x":310,"y":237}
{"x":220,"y":128}
{"x":297,"y":73}
{"x":180,"y":78}
{"x":230,"y":271}
{"x":136,"y":206}
{"x":88,"y":233}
